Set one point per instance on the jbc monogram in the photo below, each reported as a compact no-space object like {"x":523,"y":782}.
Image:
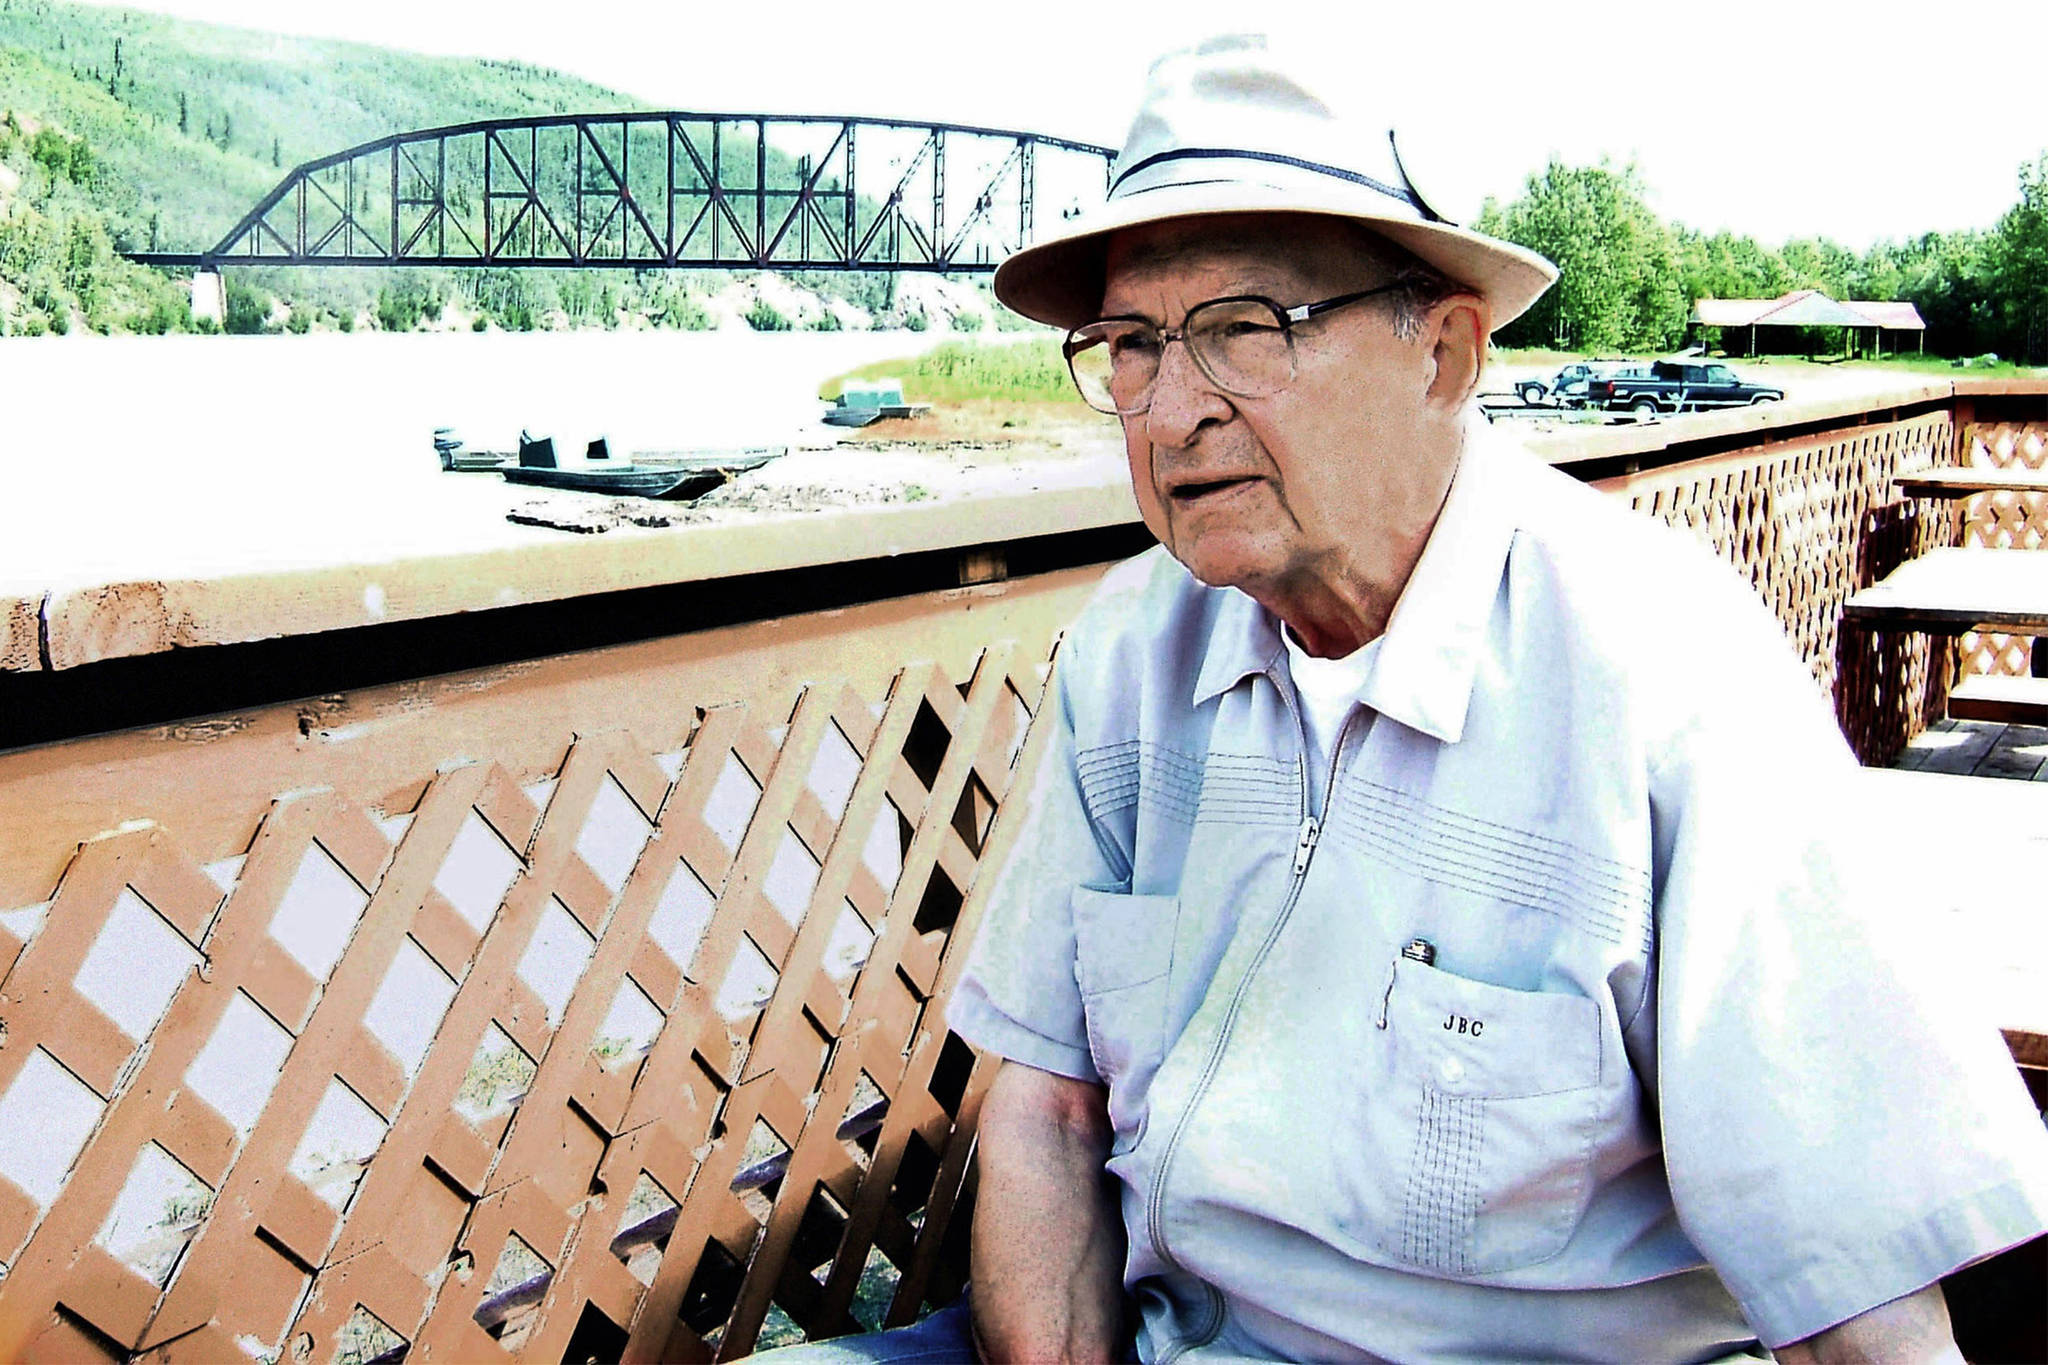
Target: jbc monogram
{"x":1458,"y":1023}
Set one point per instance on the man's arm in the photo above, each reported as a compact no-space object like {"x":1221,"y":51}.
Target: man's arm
{"x":1048,"y":1238}
{"x":1913,"y":1330}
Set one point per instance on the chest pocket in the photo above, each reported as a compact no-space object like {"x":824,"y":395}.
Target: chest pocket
{"x":1485,"y":1121}
{"x":1122,"y":961}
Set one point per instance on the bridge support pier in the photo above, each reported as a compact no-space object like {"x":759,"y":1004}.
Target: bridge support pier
{"x":209,"y":297}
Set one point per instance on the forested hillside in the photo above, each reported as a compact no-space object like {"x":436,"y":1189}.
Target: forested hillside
{"x":121,"y":129}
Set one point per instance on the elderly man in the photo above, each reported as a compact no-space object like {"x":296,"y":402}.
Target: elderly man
{"x":1427,"y":941}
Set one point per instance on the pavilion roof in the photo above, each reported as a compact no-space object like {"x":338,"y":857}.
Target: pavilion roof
{"x":1807,"y":308}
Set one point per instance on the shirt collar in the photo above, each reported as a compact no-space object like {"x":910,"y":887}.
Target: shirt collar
{"x":1244,"y":639}
{"x":1429,"y":654}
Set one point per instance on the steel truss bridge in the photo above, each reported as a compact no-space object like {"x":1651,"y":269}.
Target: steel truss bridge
{"x":665,"y":190}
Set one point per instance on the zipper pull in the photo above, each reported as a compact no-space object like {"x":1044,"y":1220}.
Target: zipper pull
{"x":1305,"y":844}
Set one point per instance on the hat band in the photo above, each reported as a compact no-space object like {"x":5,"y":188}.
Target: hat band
{"x":1405,"y":196}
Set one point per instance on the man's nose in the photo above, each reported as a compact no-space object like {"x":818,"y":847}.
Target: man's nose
{"x":1183,"y":398}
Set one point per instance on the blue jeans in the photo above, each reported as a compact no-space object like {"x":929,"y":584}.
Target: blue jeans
{"x":944,"y":1338}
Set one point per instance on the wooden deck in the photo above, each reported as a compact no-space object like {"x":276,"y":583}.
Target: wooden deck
{"x":1934,"y":791}
{"x":1962,"y":825}
{"x":1979,"y":748}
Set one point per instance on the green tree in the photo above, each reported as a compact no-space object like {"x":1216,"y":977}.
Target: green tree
{"x":248,"y":307}
{"x":1619,"y":284}
{"x":1947,"y":277}
{"x":184,"y":114}
{"x":2019,"y":261}
{"x":1725,"y":266}
{"x":87,"y":253}
{"x":401,"y":306}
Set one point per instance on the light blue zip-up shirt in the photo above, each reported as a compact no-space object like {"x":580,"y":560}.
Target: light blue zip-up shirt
{"x":1679,"y":1072}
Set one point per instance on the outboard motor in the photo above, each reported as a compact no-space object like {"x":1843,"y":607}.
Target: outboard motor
{"x":536,"y":453}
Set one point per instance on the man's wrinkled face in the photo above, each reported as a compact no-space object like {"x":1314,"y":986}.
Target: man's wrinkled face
{"x":1264,"y":493}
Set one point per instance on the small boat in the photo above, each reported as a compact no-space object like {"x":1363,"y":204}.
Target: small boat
{"x":473,"y":461}
{"x":732,"y":461}
{"x":852,"y":417}
{"x":679,"y":479}
{"x":861,"y":402}
{"x":448,"y":448}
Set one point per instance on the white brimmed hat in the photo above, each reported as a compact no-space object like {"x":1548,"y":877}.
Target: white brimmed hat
{"x":1227,"y":127}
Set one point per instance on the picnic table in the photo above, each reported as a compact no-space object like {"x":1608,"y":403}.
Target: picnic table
{"x":1952,"y":590}
{"x":1955,"y":590}
{"x":1962,"y":482}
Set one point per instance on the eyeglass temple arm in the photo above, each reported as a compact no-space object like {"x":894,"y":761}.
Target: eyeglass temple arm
{"x":1304,"y":312}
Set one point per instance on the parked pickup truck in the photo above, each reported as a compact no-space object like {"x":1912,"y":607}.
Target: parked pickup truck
{"x":1567,"y":388}
{"x":1678,"y":386}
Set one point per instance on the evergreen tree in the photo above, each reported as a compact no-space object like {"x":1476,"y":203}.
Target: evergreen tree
{"x":2019,"y":261}
{"x":184,"y":115}
{"x":276,"y":152}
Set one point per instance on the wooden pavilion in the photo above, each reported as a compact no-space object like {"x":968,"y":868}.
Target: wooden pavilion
{"x":1811,"y":308}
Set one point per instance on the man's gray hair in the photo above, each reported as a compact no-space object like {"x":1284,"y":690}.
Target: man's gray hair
{"x":1422,"y":285}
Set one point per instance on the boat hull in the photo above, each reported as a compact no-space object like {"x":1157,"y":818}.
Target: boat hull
{"x":630,"y":481}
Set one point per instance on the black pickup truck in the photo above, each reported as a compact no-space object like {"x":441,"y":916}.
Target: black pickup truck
{"x":1677,"y":386}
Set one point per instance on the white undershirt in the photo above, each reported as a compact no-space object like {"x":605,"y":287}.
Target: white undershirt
{"x":1327,"y":690}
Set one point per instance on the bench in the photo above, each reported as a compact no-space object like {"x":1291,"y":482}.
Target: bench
{"x":2005,"y":700}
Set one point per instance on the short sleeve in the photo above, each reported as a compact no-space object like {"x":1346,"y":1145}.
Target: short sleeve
{"x":1018,"y":997}
{"x":1841,"y":1125}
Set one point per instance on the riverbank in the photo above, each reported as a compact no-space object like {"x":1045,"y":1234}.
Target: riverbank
{"x":187,"y":459}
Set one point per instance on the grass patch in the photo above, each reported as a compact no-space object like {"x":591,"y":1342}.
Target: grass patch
{"x":959,"y":371}
{"x":1533,"y":356}
{"x":1912,"y":363}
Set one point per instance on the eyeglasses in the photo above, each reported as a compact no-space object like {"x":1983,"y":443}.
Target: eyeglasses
{"x":1243,"y":343}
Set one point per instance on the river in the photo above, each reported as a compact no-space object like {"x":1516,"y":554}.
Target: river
{"x":146,"y":456}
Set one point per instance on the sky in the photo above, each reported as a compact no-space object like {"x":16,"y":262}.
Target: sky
{"x":1853,"y":121}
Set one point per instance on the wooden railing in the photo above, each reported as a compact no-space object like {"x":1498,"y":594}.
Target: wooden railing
{"x":591,"y":1005}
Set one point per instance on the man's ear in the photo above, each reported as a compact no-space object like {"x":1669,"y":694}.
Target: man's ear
{"x":1456,"y":334}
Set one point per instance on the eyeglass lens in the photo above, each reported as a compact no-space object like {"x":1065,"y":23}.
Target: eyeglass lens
{"x":1242,"y":345}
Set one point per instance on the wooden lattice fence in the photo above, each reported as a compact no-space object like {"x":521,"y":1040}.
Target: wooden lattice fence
{"x":1810,"y":521}
{"x":523,"y":1058}
{"x":587,"y":1008}
{"x":2003,"y":521}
